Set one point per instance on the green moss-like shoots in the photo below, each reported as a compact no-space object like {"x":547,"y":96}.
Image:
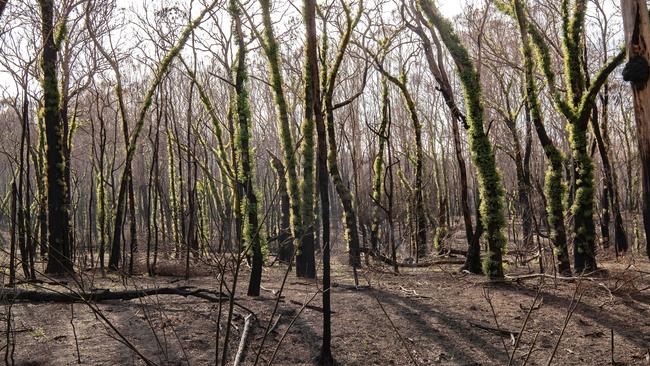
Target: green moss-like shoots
{"x":378,"y":165}
{"x":490,"y":185}
{"x":351,"y":234}
{"x":272,"y":51}
{"x":554,"y":187}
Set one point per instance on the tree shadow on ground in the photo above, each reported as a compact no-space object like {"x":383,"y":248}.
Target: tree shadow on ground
{"x":456,"y":324}
{"x":623,"y":326}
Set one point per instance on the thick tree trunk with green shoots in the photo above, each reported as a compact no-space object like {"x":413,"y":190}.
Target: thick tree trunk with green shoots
{"x":251,"y":229}
{"x":436,"y":66}
{"x":554,"y":188}
{"x":271,"y":50}
{"x":576,"y":106}
{"x":378,"y":166}
{"x":284,"y":239}
{"x":490,"y":185}
{"x":305,"y":260}
{"x":59,"y":260}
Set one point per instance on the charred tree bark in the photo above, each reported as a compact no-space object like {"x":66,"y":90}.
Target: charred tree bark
{"x":251,"y":229}
{"x":59,"y":260}
{"x":554,"y":188}
{"x":329,"y":83}
{"x":637,"y":36}
{"x":490,"y":184}
{"x":284,"y":239}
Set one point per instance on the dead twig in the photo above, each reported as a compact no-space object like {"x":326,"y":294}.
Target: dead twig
{"x":486,"y":295}
{"x":499,"y":331}
{"x":415,"y":362}
{"x":572,"y":307}
{"x":243,"y":340}
{"x":532,"y":347}
{"x":523,"y":326}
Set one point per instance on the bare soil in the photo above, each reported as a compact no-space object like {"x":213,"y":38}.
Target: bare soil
{"x":439,"y":316}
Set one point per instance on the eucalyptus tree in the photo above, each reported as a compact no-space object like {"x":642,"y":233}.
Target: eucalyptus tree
{"x":490,"y":186}
{"x":554,"y":187}
{"x":379,"y":165}
{"x":576,"y":105}
{"x":271,"y":49}
{"x":305,"y":259}
{"x":329,"y":77}
{"x":435,"y":61}
{"x":314,"y":118}
{"x":249,"y":207}
{"x":59,"y":253}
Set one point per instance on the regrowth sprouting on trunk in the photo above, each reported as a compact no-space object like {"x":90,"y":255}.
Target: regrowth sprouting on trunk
{"x":329,"y":83}
{"x":284,"y":239}
{"x":271,"y":49}
{"x":490,"y":186}
{"x":59,"y":253}
{"x":378,"y":166}
{"x":576,"y":105}
{"x":251,"y":229}
{"x":554,"y":187}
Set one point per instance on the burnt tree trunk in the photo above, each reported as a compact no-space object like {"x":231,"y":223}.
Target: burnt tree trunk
{"x":637,"y":36}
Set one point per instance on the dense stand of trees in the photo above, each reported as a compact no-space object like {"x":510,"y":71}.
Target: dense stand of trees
{"x":194,"y":131}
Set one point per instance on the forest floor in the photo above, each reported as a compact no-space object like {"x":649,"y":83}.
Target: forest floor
{"x":436,"y":314}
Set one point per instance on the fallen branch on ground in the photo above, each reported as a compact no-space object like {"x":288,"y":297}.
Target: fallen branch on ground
{"x":545,"y":275}
{"x":389,"y":261}
{"x":499,"y":331}
{"x":17,"y":295}
{"x":243,"y":340}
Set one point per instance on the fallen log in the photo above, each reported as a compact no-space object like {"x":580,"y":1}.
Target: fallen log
{"x":18,"y":295}
{"x":389,"y":261}
{"x":550,"y":276}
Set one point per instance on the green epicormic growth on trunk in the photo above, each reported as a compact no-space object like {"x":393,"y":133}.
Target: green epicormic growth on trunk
{"x":305,"y":262}
{"x":490,"y":184}
{"x":554,"y":187}
{"x":249,"y":209}
{"x":57,"y":191}
{"x":576,"y":106}
{"x":329,"y":83}
{"x":378,"y":165}
{"x":271,"y":49}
